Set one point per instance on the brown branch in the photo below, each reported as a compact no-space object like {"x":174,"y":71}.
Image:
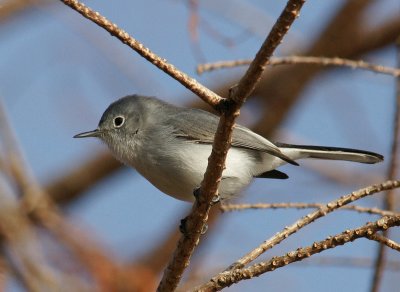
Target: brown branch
{"x":233,"y":276}
{"x":354,"y":262}
{"x":190,"y":83}
{"x":361,"y":209}
{"x":302,"y":222}
{"x":389,"y":202}
{"x":21,"y":248}
{"x":41,"y":210}
{"x":253,"y":74}
{"x":319,"y":261}
{"x":293,"y":60}
{"x":384,"y":241}
{"x":69,"y":187}
{"x":167,"y":246}
{"x":345,"y":36}
{"x":376,"y":37}
{"x":106,"y":273}
{"x":12,"y":7}
{"x":209,"y":186}
{"x":347,"y":24}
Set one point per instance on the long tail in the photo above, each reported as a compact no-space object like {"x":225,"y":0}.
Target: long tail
{"x":332,"y":153}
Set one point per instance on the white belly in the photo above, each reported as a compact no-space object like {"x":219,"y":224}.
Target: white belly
{"x":179,"y":174}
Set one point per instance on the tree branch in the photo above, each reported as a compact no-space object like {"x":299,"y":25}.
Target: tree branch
{"x":233,"y":276}
{"x":190,"y":83}
{"x":346,"y":35}
{"x":384,"y":241}
{"x":302,"y":222}
{"x":70,"y":186}
{"x":293,"y":60}
{"x":361,"y":209}
{"x":253,"y":74}
{"x":346,"y":261}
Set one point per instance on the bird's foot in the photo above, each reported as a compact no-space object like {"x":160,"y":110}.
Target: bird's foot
{"x":184,"y":230}
{"x":215,"y":200}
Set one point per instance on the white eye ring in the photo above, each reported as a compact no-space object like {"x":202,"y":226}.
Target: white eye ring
{"x":119,"y":121}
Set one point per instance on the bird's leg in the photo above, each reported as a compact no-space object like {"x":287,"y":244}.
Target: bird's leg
{"x":215,"y":200}
{"x":183,"y":226}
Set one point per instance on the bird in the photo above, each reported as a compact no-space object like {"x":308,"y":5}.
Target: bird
{"x":170,"y":145}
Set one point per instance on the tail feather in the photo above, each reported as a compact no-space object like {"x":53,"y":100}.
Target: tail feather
{"x":332,"y":153}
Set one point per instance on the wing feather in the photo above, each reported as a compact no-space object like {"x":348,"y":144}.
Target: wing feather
{"x":200,"y":127}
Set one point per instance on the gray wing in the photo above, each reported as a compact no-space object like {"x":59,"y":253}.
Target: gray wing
{"x":200,"y":126}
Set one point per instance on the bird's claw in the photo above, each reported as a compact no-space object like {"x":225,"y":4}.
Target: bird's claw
{"x":196,"y":193}
{"x":215,"y":200}
{"x":183,"y":228}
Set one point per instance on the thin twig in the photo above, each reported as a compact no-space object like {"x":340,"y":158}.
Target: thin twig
{"x":389,"y":202}
{"x":346,"y":35}
{"x":320,"y":261}
{"x":233,"y":276}
{"x":190,"y":83}
{"x":253,"y":74}
{"x":302,"y":222}
{"x":385,"y":241}
{"x":361,"y":209}
{"x":209,"y":186}
{"x":293,"y":60}
{"x":347,"y":262}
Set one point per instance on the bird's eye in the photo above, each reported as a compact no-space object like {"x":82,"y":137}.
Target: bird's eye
{"x":119,"y":121}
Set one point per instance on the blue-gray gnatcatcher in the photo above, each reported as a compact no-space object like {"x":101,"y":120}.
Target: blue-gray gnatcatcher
{"x":170,"y":146}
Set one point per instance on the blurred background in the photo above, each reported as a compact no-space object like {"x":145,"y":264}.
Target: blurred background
{"x":114,"y":230}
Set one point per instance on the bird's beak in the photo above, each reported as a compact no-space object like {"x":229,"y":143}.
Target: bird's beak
{"x":94,"y":133}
